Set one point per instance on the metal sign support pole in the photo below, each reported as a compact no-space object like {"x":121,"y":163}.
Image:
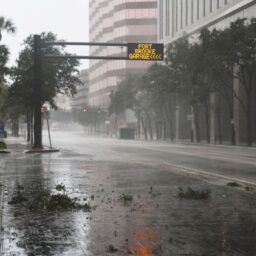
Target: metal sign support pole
{"x":37,"y":92}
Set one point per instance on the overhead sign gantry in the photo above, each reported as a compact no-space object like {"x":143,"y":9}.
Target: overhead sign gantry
{"x":135,"y":51}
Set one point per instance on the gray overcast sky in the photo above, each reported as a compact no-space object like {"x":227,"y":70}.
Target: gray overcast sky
{"x":69,"y":19}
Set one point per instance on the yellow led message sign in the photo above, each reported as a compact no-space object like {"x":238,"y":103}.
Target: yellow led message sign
{"x":145,"y":51}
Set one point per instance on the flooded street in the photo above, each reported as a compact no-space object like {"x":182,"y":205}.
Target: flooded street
{"x":133,"y":190}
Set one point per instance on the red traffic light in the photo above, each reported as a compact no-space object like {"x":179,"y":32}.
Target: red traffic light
{"x":43,"y":109}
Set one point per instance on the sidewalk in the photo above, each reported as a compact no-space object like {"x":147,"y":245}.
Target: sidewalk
{"x":135,"y":210}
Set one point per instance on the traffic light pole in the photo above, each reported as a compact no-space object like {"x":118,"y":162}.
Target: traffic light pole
{"x":136,"y":51}
{"x":37,"y":92}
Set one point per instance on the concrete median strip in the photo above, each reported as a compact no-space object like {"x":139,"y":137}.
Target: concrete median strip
{"x":41,"y":150}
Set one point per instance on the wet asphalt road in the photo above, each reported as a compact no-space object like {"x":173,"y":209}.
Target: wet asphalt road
{"x":155,"y":222}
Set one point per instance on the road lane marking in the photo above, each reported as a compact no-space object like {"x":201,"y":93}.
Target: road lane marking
{"x":197,"y":172}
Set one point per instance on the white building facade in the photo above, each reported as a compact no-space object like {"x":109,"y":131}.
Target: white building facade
{"x":178,"y":18}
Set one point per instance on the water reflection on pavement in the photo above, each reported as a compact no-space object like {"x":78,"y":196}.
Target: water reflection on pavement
{"x":154,"y":222}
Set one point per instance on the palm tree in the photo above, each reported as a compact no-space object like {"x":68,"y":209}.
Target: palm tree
{"x":6,"y":25}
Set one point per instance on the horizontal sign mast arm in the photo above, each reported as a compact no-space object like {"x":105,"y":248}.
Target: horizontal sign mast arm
{"x":84,"y":43}
{"x":86,"y":57}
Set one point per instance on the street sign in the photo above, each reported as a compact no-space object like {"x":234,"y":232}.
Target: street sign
{"x":145,"y":51}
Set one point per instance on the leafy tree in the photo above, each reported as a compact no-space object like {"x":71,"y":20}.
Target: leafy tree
{"x":159,"y":91}
{"x":6,"y":25}
{"x":126,"y":97}
{"x":147,"y":95}
{"x":90,"y":116}
{"x":241,"y":50}
{"x":59,"y":76}
{"x":233,"y":56}
{"x":185,"y":62}
{"x":4,"y":53}
{"x":220,"y":75}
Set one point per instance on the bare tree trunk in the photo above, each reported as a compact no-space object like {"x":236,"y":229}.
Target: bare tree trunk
{"x":28,"y":126}
{"x":249,"y":122}
{"x":138,"y":126}
{"x":31,"y":128}
{"x":15,"y":127}
{"x":207,"y":125}
{"x":149,"y":125}
{"x":144,"y":129}
{"x":197,"y":127}
{"x":219,"y":122}
{"x":158,"y":136}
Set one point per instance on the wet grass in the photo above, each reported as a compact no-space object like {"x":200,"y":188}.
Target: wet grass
{"x":126,"y":198}
{"x":62,"y":202}
{"x":60,"y":187}
{"x":43,"y":200}
{"x":193,"y":194}
{"x":57,"y":203}
{"x":233,"y":184}
{"x":2,"y":145}
{"x":18,"y":199}
{"x":39,"y":201}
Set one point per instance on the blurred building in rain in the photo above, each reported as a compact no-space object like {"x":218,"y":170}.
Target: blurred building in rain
{"x":80,"y":99}
{"x":179,"y":18}
{"x":118,"y":21}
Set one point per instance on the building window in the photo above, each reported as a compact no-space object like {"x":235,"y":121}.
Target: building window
{"x":167,"y":18}
{"x":173,"y":21}
{"x":176,"y":20}
{"x":192,"y":11}
{"x":218,"y":4}
{"x":210,"y":5}
{"x":181,"y":13}
{"x":204,"y":11}
{"x":161,"y":12}
{"x":186,"y":12}
{"x":198,"y":9}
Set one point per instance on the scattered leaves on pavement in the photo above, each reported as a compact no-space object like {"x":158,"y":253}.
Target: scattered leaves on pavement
{"x":193,"y":194}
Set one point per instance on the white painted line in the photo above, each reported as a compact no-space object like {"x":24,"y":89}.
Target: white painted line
{"x":215,"y":175}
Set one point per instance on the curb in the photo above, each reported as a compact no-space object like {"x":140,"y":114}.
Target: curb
{"x":4,"y":151}
{"x":32,"y":151}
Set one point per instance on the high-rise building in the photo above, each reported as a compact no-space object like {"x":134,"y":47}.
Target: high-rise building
{"x":178,"y":18}
{"x":118,"y":21}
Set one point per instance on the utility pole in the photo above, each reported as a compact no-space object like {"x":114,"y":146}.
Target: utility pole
{"x":37,"y":92}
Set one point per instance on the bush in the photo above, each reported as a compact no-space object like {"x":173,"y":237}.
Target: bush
{"x":2,"y":145}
